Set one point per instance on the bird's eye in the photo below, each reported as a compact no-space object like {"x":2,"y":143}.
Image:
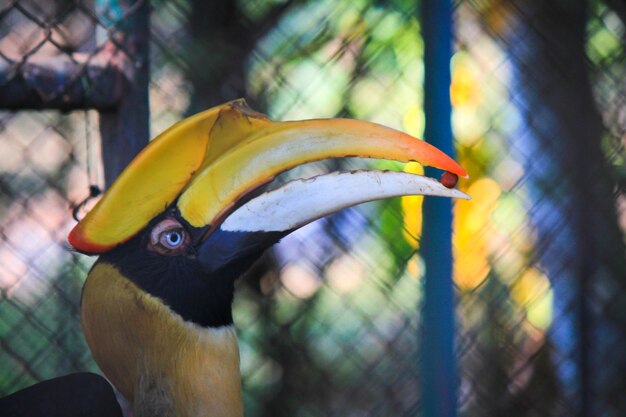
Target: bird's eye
{"x":172,"y":239}
{"x":169,"y":237}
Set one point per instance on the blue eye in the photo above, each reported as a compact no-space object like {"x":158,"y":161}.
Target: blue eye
{"x":172,"y":239}
{"x":169,"y":238}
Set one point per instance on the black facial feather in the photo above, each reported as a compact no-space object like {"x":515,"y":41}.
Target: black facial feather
{"x":197,"y":283}
{"x":179,"y":280}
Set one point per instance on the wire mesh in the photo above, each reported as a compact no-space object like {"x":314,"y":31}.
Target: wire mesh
{"x":328,"y":321}
{"x":42,"y":168}
{"x":541,"y":248}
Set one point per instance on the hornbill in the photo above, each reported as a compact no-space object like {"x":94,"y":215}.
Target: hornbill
{"x":188,"y":216}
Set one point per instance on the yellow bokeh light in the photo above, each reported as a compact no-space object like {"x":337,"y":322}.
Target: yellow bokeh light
{"x":468,"y":122}
{"x":465,"y":86}
{"x":539,"y":312}
{"x":414,"y":121}
{"x":529,"y":286}
{"x":468,"y":125}
{"x":412,"y":210}
{"x":532,"y":291}
{"x":470,"y":240}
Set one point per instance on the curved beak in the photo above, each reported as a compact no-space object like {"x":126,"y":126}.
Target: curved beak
{"x":210,"y":164}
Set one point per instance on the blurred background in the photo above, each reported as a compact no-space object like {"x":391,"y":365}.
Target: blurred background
{"x":331,"y":321}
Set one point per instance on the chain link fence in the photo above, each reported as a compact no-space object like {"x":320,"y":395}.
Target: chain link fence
{"x":329,"y":320}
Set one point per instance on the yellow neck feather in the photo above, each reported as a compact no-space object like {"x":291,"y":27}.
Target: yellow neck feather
{"x":162,"y":364}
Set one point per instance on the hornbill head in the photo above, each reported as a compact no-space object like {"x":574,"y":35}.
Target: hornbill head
{"x":187,"y":217}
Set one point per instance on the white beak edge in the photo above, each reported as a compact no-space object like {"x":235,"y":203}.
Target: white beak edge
{"x":302,"y":201}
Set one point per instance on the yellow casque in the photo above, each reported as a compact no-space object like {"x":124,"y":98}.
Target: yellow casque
{"x":214,"y":158}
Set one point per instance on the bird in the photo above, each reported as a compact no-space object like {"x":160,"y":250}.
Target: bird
{"x":189,"y":215}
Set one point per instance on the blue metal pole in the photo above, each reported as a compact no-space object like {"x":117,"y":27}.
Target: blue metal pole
{"x":439,"y":378}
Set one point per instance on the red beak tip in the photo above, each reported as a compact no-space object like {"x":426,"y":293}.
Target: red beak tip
{"x":449,"y":179}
